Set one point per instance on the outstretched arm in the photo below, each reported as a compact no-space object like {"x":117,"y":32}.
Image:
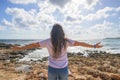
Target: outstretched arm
{"x":87,"y":45}
{"x":29,"y":46}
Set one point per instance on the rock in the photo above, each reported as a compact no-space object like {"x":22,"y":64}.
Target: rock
{"x":4,"y":56}
{"x":41,"y":75}
{"x":118,"y":71}
{"x":23,"y":68}
{"x":5,"y":46}
{"x":85,"y":54}
{"x":69,"y":72}
{"x":36,"y":72}
{"x":7,"y":54}
{"x":78,"y":77}
{"x":44,"y":58}
{"x":115,"y":77}
{"x":104,"y":76}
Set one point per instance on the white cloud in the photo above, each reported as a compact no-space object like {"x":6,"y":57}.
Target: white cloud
{"x":118,"y":9}
{"x":6,"y":23}
{"x":91,"y":3}
{"x":106,"y":12}
{"x":100,"y":14}
{"x":74,"y":10}
{"x":71,"y":10}
{"x":102,"y":30}
{"x":22,"y":18}
{"x":23,"y":1}
{"x":29,"y":21}
{"x":45,"y":7}
{"x":60,"y":3}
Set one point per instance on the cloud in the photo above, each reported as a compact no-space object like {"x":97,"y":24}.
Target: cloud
{"x":22,"y":18}
{"x":74,"y":10}
{"x":45,"y":7}
{"x":69,"y":18}
{"x":28,"y":21}
{"x":6,"y":23}
{"x":60,"y":3}
{"x":104,"y":13}
{"x":100,"y":14}
{"x":118,"y":9}
{"x":91,"y":3}
{"x":102,"y":30}
{"x":23,"y":1}
{"x":71,"y":11}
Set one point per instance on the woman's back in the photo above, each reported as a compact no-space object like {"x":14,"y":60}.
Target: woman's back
{"x":62,"y":60}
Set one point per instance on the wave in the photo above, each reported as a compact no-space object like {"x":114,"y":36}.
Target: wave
{"x":40,"y":53}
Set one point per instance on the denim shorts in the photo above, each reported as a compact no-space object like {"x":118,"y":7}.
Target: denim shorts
{"x":57,"y":74}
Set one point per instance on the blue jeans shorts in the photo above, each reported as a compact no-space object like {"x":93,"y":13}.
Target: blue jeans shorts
{"x":57,"y":74}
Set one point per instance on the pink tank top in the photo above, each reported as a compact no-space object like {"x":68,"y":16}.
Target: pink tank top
{"x":62,"y":61}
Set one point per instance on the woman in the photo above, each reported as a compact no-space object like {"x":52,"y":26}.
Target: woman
{"x":57,"y":45}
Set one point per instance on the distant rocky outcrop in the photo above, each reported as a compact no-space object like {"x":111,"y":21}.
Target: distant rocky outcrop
{"x":7,"y":54}
{"x":7,"y":46}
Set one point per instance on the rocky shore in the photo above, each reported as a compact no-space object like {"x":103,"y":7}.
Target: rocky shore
{"x":98,"y":65}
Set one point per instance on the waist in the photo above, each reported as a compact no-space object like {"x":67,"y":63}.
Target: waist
{"x":50,"y":67}
{"x":61,"y":63}
{"x":61,"y":70}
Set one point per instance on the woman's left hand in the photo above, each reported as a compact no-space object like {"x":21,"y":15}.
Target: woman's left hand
{"x":97,"y":45}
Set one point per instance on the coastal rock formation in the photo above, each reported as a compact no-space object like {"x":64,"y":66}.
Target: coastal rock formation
{"x":23,"y":68}
{"x":96,"y":66}
{"x":7,"y":46}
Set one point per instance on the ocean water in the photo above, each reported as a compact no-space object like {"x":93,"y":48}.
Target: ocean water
{"x":111,"y":45}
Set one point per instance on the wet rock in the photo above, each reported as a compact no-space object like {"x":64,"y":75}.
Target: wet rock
{"x":44,"y":58}
{"x":5,"y":46}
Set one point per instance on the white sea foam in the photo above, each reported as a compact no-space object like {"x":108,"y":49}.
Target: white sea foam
{"x":35,"y":55}
{"x":40,"y":53}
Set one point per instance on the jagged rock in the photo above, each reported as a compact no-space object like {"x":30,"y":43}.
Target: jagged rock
{"x":118,"y":71}
{"x":115,"y":77}
{"x":23,"y":68}
{"x":44,"y":58}
{"x":5,"y":46}
{"x":95,"y":67}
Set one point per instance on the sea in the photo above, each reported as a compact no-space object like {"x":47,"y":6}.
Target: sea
{"x":110,"y":45}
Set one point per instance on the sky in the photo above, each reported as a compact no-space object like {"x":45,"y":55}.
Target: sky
{"x":80,"y":19}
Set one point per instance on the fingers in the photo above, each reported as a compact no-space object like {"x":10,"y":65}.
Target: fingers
{"x":98,"y":43}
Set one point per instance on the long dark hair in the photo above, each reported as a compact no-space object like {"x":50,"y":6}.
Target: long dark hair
{"x":58,"y":40}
